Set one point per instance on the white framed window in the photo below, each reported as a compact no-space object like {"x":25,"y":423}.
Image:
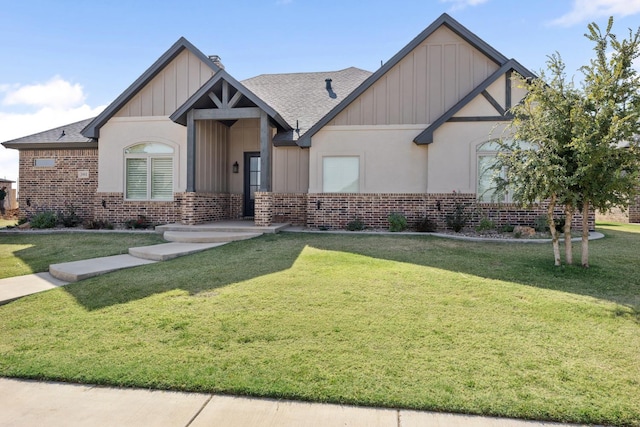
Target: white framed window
{"x":341,"y":174}
{"x":487,"y":156}
{"x":149,"y":171}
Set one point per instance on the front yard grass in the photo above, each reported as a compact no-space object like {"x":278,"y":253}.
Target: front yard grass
{"x":411,"y":322}
{"x":27,"y":253}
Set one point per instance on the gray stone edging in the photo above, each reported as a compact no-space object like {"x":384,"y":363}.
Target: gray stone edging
{"x":593,"y":235}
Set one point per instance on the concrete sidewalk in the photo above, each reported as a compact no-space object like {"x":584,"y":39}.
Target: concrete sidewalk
{"x":30,"y":403}
{"x":13,"y":288}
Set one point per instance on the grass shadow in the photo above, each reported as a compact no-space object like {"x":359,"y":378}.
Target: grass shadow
{"x":614,"y":275}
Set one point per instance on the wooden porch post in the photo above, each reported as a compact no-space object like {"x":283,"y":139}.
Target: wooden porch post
{"x":191,"y":152}
{"x":265,"y":153}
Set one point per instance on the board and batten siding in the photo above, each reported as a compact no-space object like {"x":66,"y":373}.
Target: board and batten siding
{"x":423,"y":85}
{"x":290,"y":170}
{"x":168,"y":90}
{"x":212,"y":154}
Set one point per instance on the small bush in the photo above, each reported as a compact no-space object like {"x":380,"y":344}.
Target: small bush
{"x":397,"y":222}
{"x":355,"y":225}
{"x":426,"y":225}
{"x":46,"y":219}
{"x":98,"y":224}
{"x":69,"y":218}
{"x":457,"y":219}
{"x":485,"y":224}
{"x":22,"y":221}
{"x":507,"y":228}
{"x":540,"y":224}
{"x":140,"y":223}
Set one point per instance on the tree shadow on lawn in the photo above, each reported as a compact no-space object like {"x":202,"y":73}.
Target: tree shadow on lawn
{"x":614,"y":274}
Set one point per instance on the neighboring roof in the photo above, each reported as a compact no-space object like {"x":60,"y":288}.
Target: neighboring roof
{"x":61,"y":137}
{"x":426,"y":137}
{"x":6,"y":181}
{"x":444,"y":19}
{"x":302,"y":98}
{"x":93,"y":129}
{"x":201,"y":98}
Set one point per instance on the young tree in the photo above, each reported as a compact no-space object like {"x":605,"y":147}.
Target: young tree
{"x":608,"y":119}
{"x":582,"y":153}
{"x":536,"y":158}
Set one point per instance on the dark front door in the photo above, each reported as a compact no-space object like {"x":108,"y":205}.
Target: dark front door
{"x":251,"y":181}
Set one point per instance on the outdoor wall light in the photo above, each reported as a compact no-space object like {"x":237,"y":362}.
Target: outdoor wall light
{"x":28,"y":202}
{"x":104,"y":203}
{"x":438,"y":204}
{"x":236,"y":167}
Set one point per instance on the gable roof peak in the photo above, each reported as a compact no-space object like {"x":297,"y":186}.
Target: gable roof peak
{"x":92,"y":130}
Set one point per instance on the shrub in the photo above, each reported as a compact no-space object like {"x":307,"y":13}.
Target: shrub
{"x":397,"y":222}
{"x":46,"y":219}
{"x":426,"y":225}
{"x":69,"y":218}
{"x":540,"y":224}
{"x":140,"y":223}
{"x":355,"y":225}
{"x":98,"y":224}
{"x":507,"y":228}
{"x":457,"y":219}
{"x":485,"y":224}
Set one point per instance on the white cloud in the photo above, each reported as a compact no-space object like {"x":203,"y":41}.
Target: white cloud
{"x":585,"y":10}
{"x":461,"y":4}
{"x":56,"y":93}
{"x":29,"y":109}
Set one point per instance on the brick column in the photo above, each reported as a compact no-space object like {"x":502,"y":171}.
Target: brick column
{"x":263,"y":216}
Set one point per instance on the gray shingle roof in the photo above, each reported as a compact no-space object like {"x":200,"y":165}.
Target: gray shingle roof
{"x":63,"y":136}
{"x":303,"y":97}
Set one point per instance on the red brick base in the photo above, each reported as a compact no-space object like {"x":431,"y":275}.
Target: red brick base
{"x":634,"y":211}
{"x":334,"y":211}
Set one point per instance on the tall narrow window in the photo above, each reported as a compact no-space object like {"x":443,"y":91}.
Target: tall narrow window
{"x":149,"y":172}
{"x":486,"y":186}
{"x":340,"y":174}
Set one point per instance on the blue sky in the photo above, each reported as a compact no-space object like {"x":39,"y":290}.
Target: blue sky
{"x":64,"y":60}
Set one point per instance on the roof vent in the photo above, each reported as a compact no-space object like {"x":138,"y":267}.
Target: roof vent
{"x":328,"y":82}
{"x":216,"y":60}
{"x":332,"y":94}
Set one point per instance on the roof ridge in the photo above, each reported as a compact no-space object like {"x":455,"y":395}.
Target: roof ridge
{"x":307,"y":73}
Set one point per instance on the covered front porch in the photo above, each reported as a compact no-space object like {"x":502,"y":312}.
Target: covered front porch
{"x":229,"y":151}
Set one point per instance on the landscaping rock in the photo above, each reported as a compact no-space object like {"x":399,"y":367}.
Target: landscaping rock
{"x":24,"y":226}
{"x":524,"y":231}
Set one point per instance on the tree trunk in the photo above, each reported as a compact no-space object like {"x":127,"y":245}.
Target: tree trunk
{"x":585,"y":234}
{"x":554,"y":232}
{"x":568,"y":248}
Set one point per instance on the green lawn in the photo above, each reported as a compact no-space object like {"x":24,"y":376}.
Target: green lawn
{"x":412,"y":322}
{"x":27,"y":253}
{"x":4,"y":223}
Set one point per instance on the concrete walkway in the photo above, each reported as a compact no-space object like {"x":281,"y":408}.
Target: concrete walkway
{"x":30,"y":403}
{"x":13,"y":288}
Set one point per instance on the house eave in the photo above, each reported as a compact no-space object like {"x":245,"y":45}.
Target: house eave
{"x":50,"y":145}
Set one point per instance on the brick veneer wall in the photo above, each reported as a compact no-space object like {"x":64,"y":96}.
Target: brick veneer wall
{"x":118,"y":211}
{"x":263,"y":215}
{"x":199,"y":208}
{"x":634,"y":210}
{"x":289,"y":208}
{"x":334,"y":211}
{"x":54,"y":188}
{"x":236,"y":206}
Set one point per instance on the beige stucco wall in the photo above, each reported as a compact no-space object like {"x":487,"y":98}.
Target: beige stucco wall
{"x":452,"y":155}
{"x":390,"y":162}
{"x":122,"y":132}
